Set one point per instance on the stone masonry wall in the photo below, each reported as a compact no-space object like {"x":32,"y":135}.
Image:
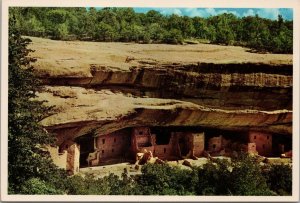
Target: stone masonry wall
{"x":263,"y":142}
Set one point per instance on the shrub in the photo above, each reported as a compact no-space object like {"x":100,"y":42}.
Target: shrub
{"x":279,"y":179}
{"x":162,"y":179}
{"x":174,"y":36}
{"x":246,"y":177}
{"x":36,"y":186}
{"x":213,"y":178}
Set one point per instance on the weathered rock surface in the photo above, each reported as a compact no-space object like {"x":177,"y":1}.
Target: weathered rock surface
{"x":202,"y":74}
{"x":93,"y":86}
{"x":106,"y":111}
{"x":232,"y":86}
{"x":74,"y":59}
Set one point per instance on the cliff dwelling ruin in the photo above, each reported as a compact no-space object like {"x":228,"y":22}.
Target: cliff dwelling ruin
{"x":169,"y":102}
{"x":139,"y":144}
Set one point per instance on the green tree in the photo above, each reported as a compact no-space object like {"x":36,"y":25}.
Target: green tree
{"x":90,"y":22}
{"x":26,"y":160}
{"x":162,"y":179}
{"x":124,"y":24}
{"x":36,"y":186}
{"x":104,"y":32}
{"x":246,"y":177}
{"x":156,"y":32}
{"x":153,"y":16}
{"x":187,"y":27}
{"x":257,"y":33}
{"x":61,"y":31}
{"x":283,"y":42}
{"x":225,"y":33}
{"x":213,"y":178}
{"x":174,"y":36}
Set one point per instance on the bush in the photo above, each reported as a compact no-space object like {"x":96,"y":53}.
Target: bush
{"x":174,"y":36}
{"x":246,"y":177}
{"x":162,"y":179}
{"x":108,"y":185}
{"x":240,"y":176}
{"x":279,"y":179}
{"x":36,"y":186}
{"x":213,"y":178}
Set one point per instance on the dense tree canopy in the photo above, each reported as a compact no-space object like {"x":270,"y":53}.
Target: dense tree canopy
{"x":125,"y":25}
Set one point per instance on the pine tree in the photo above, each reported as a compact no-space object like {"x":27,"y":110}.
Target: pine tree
{"x":26,"y":160}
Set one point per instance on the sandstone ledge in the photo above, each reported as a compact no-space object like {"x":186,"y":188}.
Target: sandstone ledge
{"x":79,"y":110}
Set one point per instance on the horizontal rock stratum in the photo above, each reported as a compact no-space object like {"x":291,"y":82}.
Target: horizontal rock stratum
{"x":110,"y":86}
{"x":74,"y":58}
{"x":80,"y":110}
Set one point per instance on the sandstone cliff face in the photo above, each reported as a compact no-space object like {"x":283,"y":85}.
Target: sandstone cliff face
{"x":79,"y":111}
{"x":93,"y":86}
{"x":230,"y":86}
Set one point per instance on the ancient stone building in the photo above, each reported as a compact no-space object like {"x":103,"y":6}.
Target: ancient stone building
{"x":73,"y":158}
{"x":66,"y":156}
{"x":59,"y":159}
{"x":180,"y":144}
{"x":197,"y":144}
{"x":189,"y":145}
{"x":140,"y":143}
{"x":215,"y":144}
{"x":263,"y":142}
{"x":166,"y":151}
{"x":220,"y":146}
{"x":109,"y":147}
{"x":142,"y":140}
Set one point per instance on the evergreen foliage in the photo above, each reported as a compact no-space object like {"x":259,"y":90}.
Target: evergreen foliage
{"x":28,"y":164}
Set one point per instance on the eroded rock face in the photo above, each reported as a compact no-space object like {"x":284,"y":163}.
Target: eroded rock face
{"x":107,"y":112}
{"x":229,"y":86}
{"x":94,"y":87}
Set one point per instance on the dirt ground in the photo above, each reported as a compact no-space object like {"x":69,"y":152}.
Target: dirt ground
{"x":74,"y":58}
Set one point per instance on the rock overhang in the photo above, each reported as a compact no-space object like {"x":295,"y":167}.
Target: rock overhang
{"x":94,"y":86}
